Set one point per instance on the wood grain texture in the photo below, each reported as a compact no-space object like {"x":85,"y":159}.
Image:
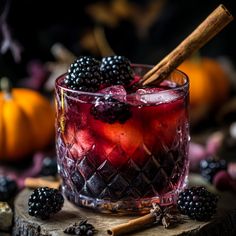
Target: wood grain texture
{"x":223,"y":224}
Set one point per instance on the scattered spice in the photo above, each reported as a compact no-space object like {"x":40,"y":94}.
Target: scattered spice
{"x":82,"y":229}
{"x":167,"y":216}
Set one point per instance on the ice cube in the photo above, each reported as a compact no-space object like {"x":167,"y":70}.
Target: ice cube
{"x":117,"y":91}
{"x":148,"y":90}
{"x":155,"y":95}
{"x":114,"y":90}
{"x":80,"y":141}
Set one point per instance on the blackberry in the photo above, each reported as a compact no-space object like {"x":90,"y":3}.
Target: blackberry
{"x":49,"y":167}
{"x":84,"y":74}
{"x":8,"y":188}
{"x":197,"y":203}
{"x":116,"y":70}
{"x":83,"y":228}
{"x":210,"y":167}
{"x":44,"y":202}
{"x":110,"y":110}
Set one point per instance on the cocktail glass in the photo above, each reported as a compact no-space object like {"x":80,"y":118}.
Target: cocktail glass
{"x":124,"y":167}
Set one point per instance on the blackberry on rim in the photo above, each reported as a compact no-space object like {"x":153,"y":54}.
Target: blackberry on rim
{"x":84,"y":74}
{"x":116,"y":70}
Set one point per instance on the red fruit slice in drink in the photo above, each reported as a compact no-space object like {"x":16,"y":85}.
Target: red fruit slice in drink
{"x":162,"y":124}
{"x":128,"y":135}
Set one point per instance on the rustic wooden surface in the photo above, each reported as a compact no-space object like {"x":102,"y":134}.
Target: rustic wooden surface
{"x":224,"y":223}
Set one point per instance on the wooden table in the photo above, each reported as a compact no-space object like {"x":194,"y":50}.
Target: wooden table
{"x":224,"y":223}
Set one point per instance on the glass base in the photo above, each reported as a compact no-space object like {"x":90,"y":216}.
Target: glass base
{"x":128,"y":205}
{"x":124,"y":207}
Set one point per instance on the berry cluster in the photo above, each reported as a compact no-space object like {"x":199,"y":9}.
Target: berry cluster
{"x":210,"y":167}
{"x":205,"y":159}
{"x":89,"y":75}
{"x":219,"y":173}
{"x":44,"y":202}
{"x":8,"y":188}
{"x":197,"y":203}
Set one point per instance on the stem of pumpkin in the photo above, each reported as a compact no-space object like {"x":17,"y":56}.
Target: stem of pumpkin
{"x":5,"y":86}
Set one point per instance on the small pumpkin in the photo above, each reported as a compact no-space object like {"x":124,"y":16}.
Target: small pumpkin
{"x":209,"y":83}
{"x":26,"y":122}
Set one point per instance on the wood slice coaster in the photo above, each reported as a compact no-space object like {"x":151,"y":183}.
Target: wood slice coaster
{"x":24,"y":225}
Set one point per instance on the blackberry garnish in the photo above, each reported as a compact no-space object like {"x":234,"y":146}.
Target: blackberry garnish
{"x":210,"y":167}
{"x":110,"y":110}
{"x":84,"y":75}
{"x":44,"y":202}
{"x":49,"y":167}
{"x":116,"y":70}
{"x":81,"y":229}
{"x":8,"y":188}
{"x":197,"y":203}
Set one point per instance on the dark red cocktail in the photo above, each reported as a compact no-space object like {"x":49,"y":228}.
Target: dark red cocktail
{"x":124,"y":167}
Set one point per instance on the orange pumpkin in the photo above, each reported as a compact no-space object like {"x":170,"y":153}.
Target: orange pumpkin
{"x":209,"y":83}
{"x":26,"y":123}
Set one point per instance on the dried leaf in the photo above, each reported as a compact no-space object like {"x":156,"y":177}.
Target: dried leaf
{"x":102,"y":13}
{"x":144,"y":18}
{"x":121,"y":8}
{"x":7,"y":42}
{"x":63,"y":59}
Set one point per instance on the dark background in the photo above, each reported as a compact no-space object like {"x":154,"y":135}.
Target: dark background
{"x":38,"y":24}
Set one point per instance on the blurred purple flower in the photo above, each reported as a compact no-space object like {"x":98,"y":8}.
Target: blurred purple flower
{"x":19,"y":174}
{"x":7,"y":42}
{"x":37,"y":75}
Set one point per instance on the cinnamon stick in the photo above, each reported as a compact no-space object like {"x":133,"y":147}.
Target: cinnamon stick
{"x":210,"y":27}
{"x":40,"y":182}
{"x":132,"y":225}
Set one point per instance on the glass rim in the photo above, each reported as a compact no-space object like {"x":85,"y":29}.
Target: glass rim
{"x":184,"y":86}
